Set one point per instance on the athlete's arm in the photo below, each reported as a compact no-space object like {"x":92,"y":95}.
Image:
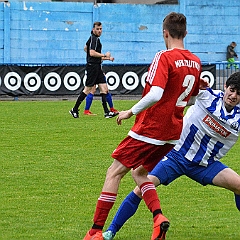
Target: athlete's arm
{"x":106,"y":56}
{"x":96,"y":54}
{"x":153,"y":96}
{"x":203,"y":84}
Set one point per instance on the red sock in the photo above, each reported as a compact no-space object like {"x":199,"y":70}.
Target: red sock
{"x":150,"y":197}
{"x":104,"y":205}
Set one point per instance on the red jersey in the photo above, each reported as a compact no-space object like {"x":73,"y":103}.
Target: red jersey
{"x":177,"y":71}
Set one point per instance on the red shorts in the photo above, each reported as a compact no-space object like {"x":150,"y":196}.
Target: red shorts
{"x":132,"y":153}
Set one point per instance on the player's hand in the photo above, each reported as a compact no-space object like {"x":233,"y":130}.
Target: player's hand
{"x":111,"y":59}
{"x":108,"y":54}
{"x":123,"y":115}
{"x":203,"y":84}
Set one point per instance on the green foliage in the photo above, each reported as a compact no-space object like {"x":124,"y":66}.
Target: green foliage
{"x":53,"y":168}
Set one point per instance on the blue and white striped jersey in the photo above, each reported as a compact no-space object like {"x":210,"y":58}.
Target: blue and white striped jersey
{"x":211,"y":131}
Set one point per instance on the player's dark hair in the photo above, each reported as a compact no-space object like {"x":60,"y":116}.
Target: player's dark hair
{"x":97,"y":24}
{"x":234,"y":81}
{"x":176,"y":24}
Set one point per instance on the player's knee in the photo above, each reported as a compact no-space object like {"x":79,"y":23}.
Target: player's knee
{"x":139,"y":173}
{"x":116,"y":172}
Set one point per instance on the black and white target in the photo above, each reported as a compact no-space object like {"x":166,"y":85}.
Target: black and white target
{"x":85,"y":78}
{"x":32,"y":82}
{"x":112,"y":80}
{"x":52,"y":81}
{"x":12,"y":81}
{"x":206,"y":75}
{"x":72,"y":81}
{"x":130,"y":80}
{"x":143,"y":79}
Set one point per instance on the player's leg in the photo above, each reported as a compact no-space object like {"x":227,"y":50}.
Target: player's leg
{"x":217,"y":174}
{"x":90,"y":82}
{"x":107,"y":198}
{"x":75,"y":110}
{"x":237,"y":201}
{"x":134,"y":158}
{"x":230,"y":62}
{"x":235,"y":65}
{"x":102,"y":84}
{"x":126,"y":210}
{"x":166,"y":171}
{"x":103,"y":92}
{"x":109,"y":99}
{"x":89,"y":100}
{"x":148,"y":190}
{"x":101,"y":81}
{"x":229,"y":179}
{"x":150,"y":197}
{"x":110,"y":102}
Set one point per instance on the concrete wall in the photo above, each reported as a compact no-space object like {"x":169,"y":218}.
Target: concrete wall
{"x":56,"y":32}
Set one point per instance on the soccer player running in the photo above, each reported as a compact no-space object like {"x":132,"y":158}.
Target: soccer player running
{"x":94,"y":71}
{"x":173,"y":80}
{"x":211,"y":128}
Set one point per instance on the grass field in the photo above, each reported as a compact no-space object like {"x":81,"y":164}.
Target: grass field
{"x":53,"y":168}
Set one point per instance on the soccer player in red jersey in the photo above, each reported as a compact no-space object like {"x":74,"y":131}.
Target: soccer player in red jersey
{"x":173,"y":80}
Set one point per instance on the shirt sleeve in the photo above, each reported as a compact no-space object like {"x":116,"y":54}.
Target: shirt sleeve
{"x":93,"y":43}
{"x":153,"y":96}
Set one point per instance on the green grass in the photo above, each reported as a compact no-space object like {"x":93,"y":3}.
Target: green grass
{"x":53,"y":168}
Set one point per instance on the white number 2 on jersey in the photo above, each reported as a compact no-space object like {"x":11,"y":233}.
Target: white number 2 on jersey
{"x":188,"y":82}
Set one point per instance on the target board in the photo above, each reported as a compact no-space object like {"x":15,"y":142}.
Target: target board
{"x":70,"y":80}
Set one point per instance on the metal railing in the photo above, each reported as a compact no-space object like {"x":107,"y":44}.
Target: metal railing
{"x":223,"y":71}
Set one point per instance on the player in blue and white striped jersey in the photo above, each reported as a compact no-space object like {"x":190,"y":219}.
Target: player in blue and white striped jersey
{"x":211,"y":128}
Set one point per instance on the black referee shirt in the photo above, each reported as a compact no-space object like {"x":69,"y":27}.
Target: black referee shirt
{"x":93,"y":43}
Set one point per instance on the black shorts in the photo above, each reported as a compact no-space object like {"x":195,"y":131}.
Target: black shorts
{"x":94,"y":75}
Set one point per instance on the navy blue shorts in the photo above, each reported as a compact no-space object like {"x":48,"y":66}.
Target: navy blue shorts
{"x":175,"y":165}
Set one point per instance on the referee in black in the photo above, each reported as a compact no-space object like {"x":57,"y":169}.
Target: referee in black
{"x":94,"y":71}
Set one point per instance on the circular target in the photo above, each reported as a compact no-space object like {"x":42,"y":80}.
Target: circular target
{"x":32,"y":82}
{"x":72,"y":81}
{"x":143,"y":79}
{"x":208,"y":76}
{"x":112,"y":80}
{"x":52,"y":81}
{"x":85,"y":79}
{"x":130,"y":80}
{"x":12,"y":81}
